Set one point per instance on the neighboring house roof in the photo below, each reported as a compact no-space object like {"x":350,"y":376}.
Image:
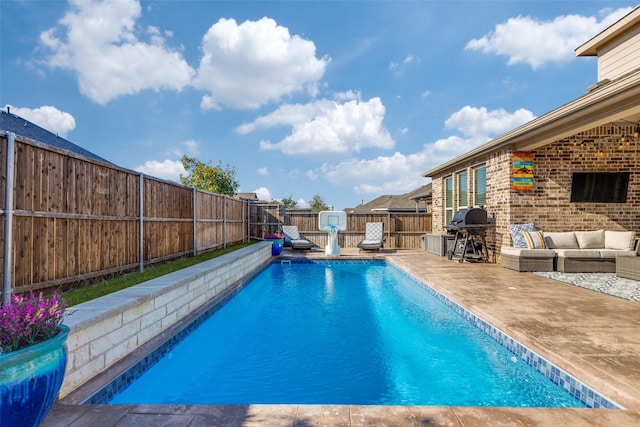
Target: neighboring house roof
{"x":247,"y":196}
{"x":10,"y":122}
{"x":422,"y":193}
{"x":403,"y":202}
{"x":616,"y":101}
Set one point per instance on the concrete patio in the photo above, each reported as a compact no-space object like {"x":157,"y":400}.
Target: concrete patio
{"x":594,"y":337}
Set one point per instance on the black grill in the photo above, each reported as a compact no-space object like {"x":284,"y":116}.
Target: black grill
{"x":470,"y":227}
{"x":472,"y":220}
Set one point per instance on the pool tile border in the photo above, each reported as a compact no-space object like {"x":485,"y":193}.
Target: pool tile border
{"x":570,"y":384}
{"x":566,"y":381}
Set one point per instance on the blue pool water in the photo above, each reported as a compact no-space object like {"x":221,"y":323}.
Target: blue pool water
{"x":340,"y":333}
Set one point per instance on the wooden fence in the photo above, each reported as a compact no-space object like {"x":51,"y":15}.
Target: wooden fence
{"x":403,"y":230}
{"x":74,"y":219}
{"x":68,"y":219}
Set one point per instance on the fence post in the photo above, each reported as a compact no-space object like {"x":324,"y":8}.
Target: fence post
{"x":195,"y":222}
{"x":141,"y":228}
{"x":389,"y":228}
{"x":8,"y":220}
{"x":224,"y":221}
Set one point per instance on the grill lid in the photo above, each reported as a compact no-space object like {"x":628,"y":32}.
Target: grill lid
{"x":474,"y":217}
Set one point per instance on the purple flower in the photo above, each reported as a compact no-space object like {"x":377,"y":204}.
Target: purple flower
{"x":28,"y":320}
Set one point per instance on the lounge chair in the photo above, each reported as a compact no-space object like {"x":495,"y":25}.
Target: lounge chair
{"x":292,"y":238}
{"x":373,"y":238}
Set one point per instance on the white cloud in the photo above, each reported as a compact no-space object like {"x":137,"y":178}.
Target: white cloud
{"x":168,"y":169}
{"x":527,"y":40}
{"x":263,"y":193}
{"x":326,"y":128}
{"x":478,"y":122}
{"x":189,"y":148}
{"x":399,"y":67}
{"x":100,"y":44}
{"x":393,"y":174}
{"x":47,"y":117}
{"x":303,"y":204}
{"x":400,"y":173}
{"x":348,"y":95}
{"x":256,"y":62}
{"x":425,"y":94}
{"x":409,"y":59}
{"x":263,"y":171}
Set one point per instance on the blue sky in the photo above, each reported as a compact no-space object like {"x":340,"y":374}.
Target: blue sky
{"x":346,"y":99}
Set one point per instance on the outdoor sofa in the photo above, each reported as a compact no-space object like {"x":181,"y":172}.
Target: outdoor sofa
{"x":569,"y":252}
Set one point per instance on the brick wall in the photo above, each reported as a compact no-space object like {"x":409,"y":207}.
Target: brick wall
{"x":547,"y":205}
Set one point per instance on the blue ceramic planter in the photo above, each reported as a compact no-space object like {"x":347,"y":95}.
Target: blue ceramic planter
{"x":30,"y":379}
{"x":276,"y":246}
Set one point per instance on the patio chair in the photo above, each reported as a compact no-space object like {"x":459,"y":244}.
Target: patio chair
{"x":292,"y":238}
{"x":373,"y":238}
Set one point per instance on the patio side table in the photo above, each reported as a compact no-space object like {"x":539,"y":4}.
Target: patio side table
{"x":628,"y":267}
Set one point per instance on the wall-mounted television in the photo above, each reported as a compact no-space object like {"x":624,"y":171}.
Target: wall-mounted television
{"x":599,"y":187}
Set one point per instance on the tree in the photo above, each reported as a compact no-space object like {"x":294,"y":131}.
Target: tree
{"x":317,"y":204}
{"x":289,"y":203}
{"x":209,"y":178}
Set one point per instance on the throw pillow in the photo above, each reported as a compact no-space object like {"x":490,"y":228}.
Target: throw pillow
{"x":590,"y":239}
{"x":621,"y":240}
{"x":534,"y":239}
{"x":516,"y":231}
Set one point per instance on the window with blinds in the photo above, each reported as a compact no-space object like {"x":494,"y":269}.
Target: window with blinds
{"x":448,"y":200}
{"x":480,"y":186}
{"x":463,"y":196}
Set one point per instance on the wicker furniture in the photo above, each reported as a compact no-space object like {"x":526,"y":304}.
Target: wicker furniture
{"x":575,"y":252}
{"x":587,"y":264}
{"x":628,"y":267}
{"x":527,"y":259}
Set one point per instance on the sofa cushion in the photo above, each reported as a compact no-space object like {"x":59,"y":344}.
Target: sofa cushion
{"x":516,"y":231}
{"x":619,"y":239}
{"x":561,"y":240}
{"x":534,"y":239}
{"x":614,"y":253}
{"x":527,"y":253}
{"x":590,"y":239}
{"x":577,"y":253}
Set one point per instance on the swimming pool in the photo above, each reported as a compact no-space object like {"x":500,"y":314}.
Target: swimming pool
{"x":382,"y":321}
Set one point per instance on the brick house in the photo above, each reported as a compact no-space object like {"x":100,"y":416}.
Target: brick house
{"x":584,"y":155}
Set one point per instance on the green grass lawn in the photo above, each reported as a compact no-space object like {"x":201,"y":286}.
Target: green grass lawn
{"x":78,"y":296}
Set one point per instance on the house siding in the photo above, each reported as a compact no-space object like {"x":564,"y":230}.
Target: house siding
{"x":621,"y":57}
